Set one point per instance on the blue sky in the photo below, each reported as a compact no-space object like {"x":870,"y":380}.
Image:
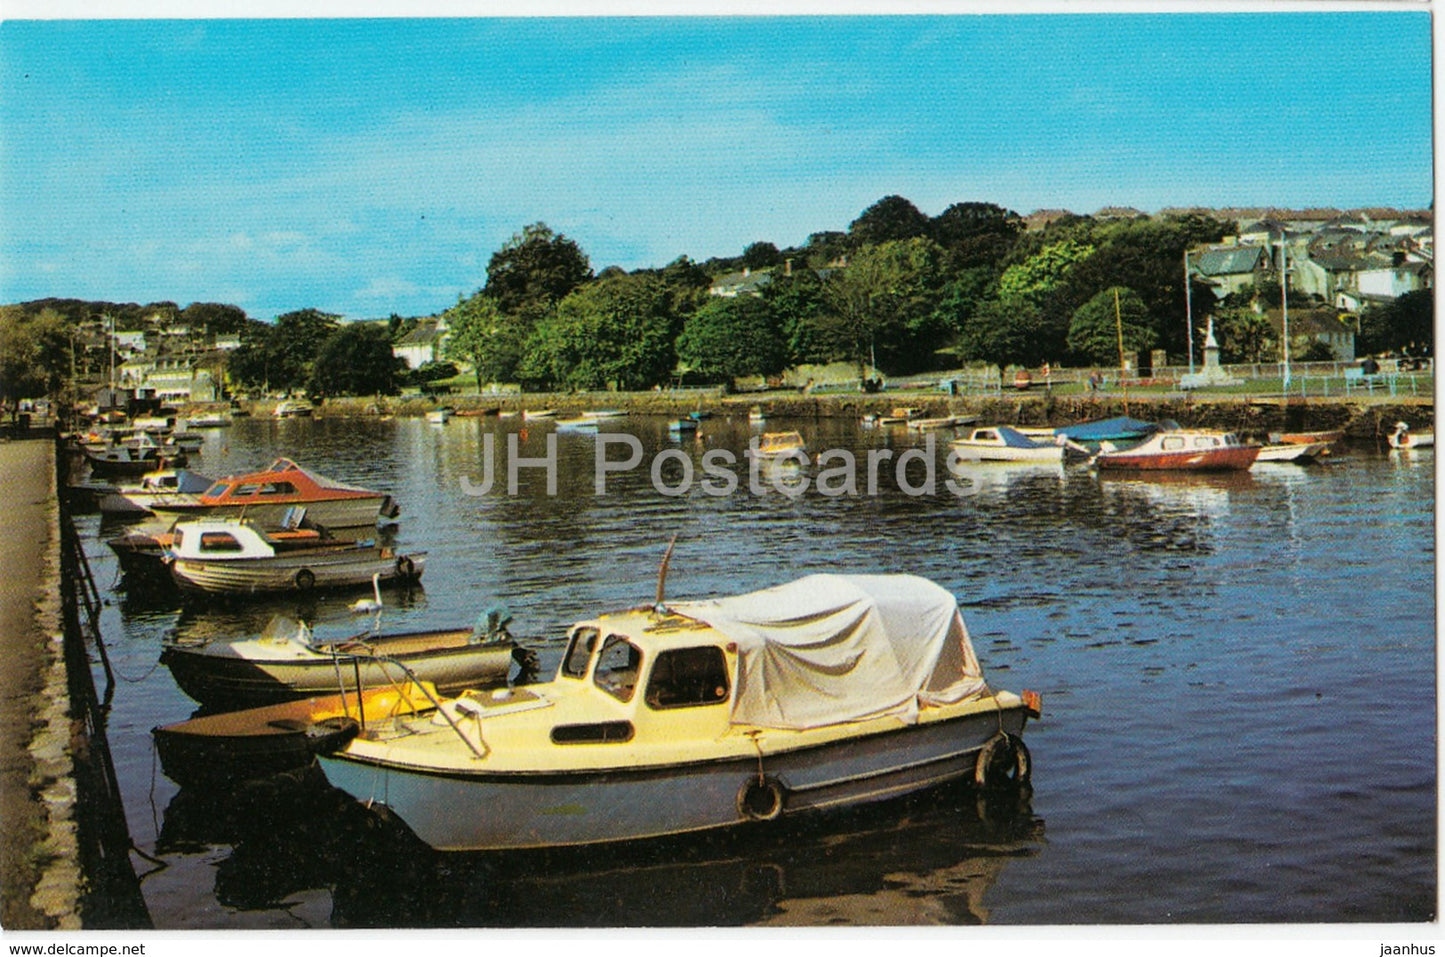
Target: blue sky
{"x":372,"y":166}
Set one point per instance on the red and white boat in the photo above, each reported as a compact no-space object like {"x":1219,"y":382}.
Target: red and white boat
{"x":1183,"y":449}
{"x":265,"y":497}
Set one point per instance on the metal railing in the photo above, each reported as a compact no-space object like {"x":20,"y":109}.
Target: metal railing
{"x":112,"y":897}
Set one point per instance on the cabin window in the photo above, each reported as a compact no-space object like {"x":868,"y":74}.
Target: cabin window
{"x":603,"y":732}
{"x":617,"y":664}
{"x":988,"y":436}
{"x":579,"y":652}
{"x":278,"y":488}
{"x":248,"y":489}
{"x":218,"y":489}
{"x":1172,"y":443}
{"x":220,"y":542}
{"x":687,"y":678}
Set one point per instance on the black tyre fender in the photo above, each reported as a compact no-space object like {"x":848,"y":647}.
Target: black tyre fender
{"x":405,"y":568}
{"x":1003,"y":762}
{"x":305,"y":579}
{"x":762,"y":798}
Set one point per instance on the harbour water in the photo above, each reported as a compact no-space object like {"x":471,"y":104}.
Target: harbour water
{"x":1238,"y":678}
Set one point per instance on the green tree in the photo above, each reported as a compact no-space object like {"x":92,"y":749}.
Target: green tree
{"x":728,"y":338}
{"x":35,"y":353}
{"x":1042,"y":273}
{"x":761,"y":256}
{"x":613,"y":333}
{"x":1243,"y":335}
{"x":1407,"y":322}
{"x":884,"y":304}
{"x":293,"y":345}
{"x":797,"y":302}
{"x":891,"y":219}
{"x":355,"y":359}
{"x":213,"y":318}
{"x":1002,"y":332}
{"x":1095,"y":332}
{"x":536,"y":267}
{"x":481,"y":335}
{"x":975,"y":234}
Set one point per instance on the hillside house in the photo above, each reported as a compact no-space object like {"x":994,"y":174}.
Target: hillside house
{"x":1315,"y":325}
{"x":426,"y":343}
{"x":1232,"y":269}
{"x":745,"y":283}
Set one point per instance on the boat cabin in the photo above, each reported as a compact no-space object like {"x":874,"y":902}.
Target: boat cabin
{"x":213,"y":539}
{"x":1185,"y":440}
{"x":282,"y":481}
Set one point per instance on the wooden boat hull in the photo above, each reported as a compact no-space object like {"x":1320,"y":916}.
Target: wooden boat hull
{"x":447,"y":660}
{"x":350,"y":512}
{"x":1234,"y":458}
{"x":527,"y":810}
{"x":1292,"y":452}
{"x":221,"y":749}
{"x":1329,"y":437}
{"x":299,"y":571}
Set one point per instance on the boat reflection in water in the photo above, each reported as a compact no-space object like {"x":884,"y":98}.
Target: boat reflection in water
{"x":927,"y":859}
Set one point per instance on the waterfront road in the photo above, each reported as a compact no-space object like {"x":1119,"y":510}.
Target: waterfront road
{"x":29,"y":658}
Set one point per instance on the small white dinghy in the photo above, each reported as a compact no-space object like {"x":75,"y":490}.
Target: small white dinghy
{"x":1403,"y":438}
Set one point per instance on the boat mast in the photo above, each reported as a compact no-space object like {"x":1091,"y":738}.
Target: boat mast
{"x":659,"y":606}
{"x":1284,"y":303}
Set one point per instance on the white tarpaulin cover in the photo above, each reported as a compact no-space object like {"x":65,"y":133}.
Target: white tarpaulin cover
{"x":831,"y":648}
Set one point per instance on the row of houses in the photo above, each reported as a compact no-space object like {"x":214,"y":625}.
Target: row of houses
{"x":166,"y":359}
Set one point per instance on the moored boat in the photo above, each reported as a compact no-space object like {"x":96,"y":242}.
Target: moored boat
{"x":165,"y":485}
{"x":1182,"y":449}
{"x":142,"y":553}
{"x":294,"y":409}
{"x":828,"y":692}
{"x":935,"y":423}
{"x":1328,"y":437}
{"x":440,"y":416}
{"x":207,"y":420}
{"x":1403,"y":438}
{"x":1293,"y":452}
{"x":1002,"y":443}
{"x":233,"y":557}
{"x":267,"y":495}
{"x":581,"y":423}
{"x":778,"y":445}
{"x":233,"y":746}
{"x":286,"y":661}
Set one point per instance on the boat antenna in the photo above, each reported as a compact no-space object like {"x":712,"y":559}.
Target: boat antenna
{"x":659,"y":606}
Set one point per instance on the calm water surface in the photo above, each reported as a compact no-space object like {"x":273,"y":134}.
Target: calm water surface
{"x":1238,"y":677}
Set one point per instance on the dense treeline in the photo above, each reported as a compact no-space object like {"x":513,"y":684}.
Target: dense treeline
{"x":898,"y":291}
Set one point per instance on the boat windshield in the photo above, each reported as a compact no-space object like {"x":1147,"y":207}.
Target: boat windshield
{"x":688,"y":678}
{"x":617,"y":666}
{"x":218,"y":489}
{"x":579,"y":652}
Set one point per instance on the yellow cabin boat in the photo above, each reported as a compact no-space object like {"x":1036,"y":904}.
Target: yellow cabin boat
{"x":830,"y":691}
